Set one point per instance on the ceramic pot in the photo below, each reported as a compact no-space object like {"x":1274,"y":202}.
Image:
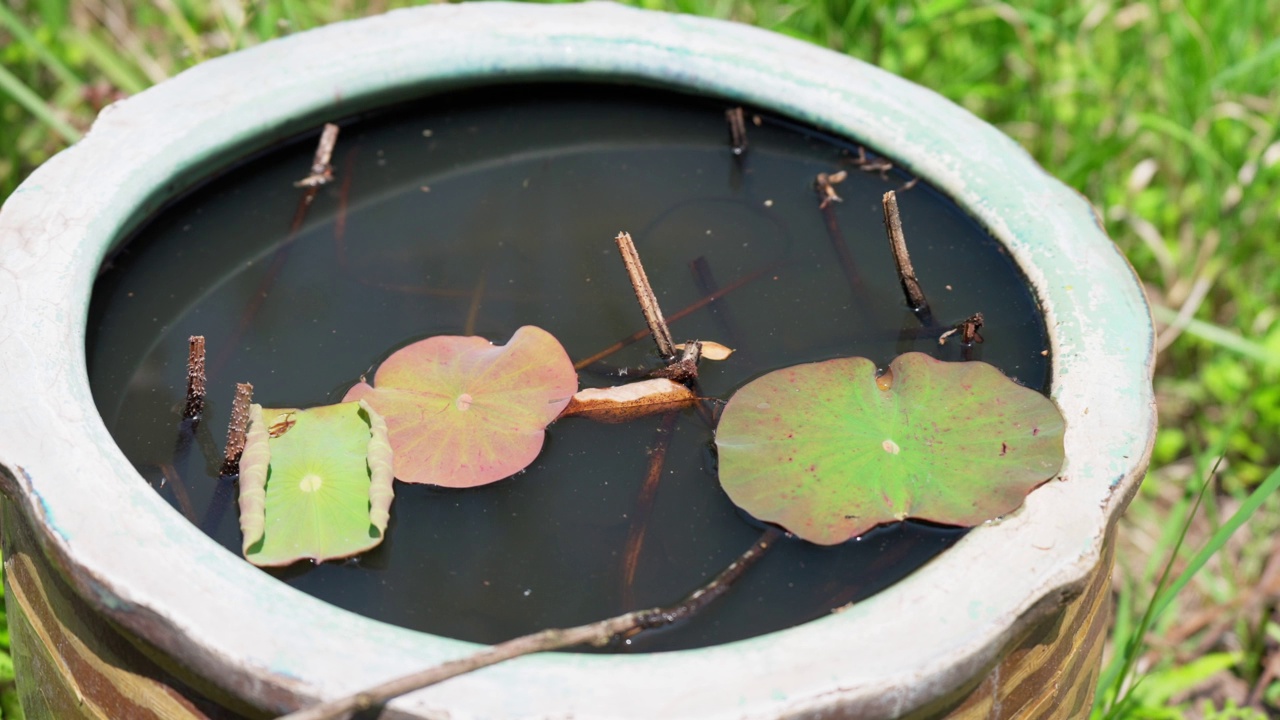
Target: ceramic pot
{"x":121,"y":608}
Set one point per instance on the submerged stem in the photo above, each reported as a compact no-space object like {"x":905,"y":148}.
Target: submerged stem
{"x":597,"y":633}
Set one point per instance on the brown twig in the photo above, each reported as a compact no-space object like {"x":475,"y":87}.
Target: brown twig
{"x":737,"y":130}
{"x":826,"y":187}
{"x":195,"y":379}
{"x":693,"y":307}
{"x":644,"y":503}
{"x":871,"y":165}
{"x":597,"y":633}
{"x":645,"y":296}
{"x":321,"y":169}
{"x":902,"y":259}
{"x":236,"y":429}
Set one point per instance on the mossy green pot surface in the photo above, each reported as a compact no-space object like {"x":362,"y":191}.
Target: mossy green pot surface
{"x":141,"y":565}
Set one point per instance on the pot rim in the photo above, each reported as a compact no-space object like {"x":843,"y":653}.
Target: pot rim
{"x":927,"y":635}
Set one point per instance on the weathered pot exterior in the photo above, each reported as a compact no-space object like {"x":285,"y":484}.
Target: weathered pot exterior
{"x":917,"y":649}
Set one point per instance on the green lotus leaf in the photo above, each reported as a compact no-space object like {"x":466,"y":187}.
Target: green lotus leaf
{"x":463,"y":412}
{"x":314,"y":484}
{"x":828,"y":450}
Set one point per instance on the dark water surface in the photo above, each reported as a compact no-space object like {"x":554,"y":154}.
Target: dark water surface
{"x":485,"y":211}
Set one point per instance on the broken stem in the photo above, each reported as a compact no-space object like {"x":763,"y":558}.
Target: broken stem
{"x":737,"y":129}
{"x":597,"y":633}
{"x":684,"y":370}
{"x":902,"y":259}
{"x":645,"y":296}
{"x":321,"y":169}
{"x":236,"y":429}
{"x":195,"y":379}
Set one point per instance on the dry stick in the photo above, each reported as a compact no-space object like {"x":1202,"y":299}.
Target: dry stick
{"x":826,"y":185}
{"x":644,"y":503}
{"x":644,"y":295}
{"x":195,"y":379}
{"x":902,"y":259}
{"x":737,"y":130}
{"x":597,"y":633}
{"x":236,"y":429}
{"x":321,"y":169}
{"x":681,"y":314}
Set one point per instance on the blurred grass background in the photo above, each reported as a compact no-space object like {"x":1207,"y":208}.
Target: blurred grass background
{"x":1164,"y":113}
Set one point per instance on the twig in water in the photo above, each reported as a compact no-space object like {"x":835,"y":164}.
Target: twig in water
{"x":826,"y":187}
{"x":321,"y":169}
{"x":195,"y":379}
{"x":902,"y":259}
{"x":871,"y":165}
{"x":473,"y":311}
{"x":273,"y":271}
{"x":644,"y":503}
{"x":847,"y":265}
{"x":693,"y":307}
{"x":644,"y":295}
{"x":597,"y":633}
{"x":344,"y":200}
{"x":236,"y":429}
{"x":707,"y":285}
{"x":737,"y":130}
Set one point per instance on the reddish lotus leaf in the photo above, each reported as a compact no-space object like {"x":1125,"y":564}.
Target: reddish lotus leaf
{"x":829,"y":451}
{"x":463,"y":412}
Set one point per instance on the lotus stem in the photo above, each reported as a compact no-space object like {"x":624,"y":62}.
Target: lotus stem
{"x":236,"y":429}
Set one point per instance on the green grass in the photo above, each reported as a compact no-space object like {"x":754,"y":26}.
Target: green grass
{"x":1164,"y":113}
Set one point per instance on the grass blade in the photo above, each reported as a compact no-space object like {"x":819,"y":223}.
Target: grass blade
{"x":24,"y":96}
{"x":1247,"y":509}
{"x":10,"y":20}
{"x":1219,"y":336}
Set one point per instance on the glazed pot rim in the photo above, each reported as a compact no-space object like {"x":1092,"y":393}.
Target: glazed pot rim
{"x":899,"y":650}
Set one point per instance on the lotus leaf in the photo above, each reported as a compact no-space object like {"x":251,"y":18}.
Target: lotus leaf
{"x":463,"y":412}
{"x":828,"y":450}
{"x":314,"y":484}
